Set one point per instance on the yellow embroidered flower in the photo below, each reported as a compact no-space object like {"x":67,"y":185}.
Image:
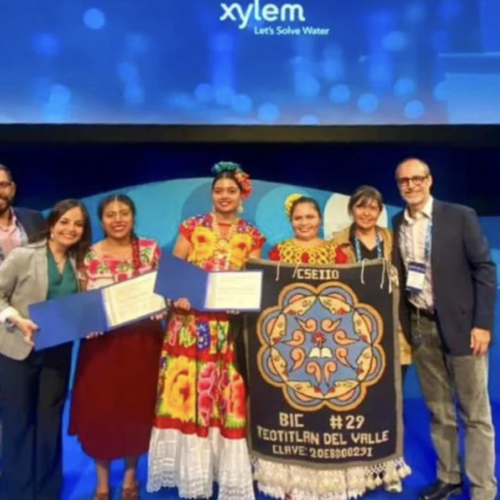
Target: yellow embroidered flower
{"x":180,"y":389}
{"x":204,"y":242}
{"x":241,"y":244}
{"x":290,"y":201}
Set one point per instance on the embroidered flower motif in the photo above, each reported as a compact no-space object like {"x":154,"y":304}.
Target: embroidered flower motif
{"x":241,"y":244}
{"x":246,"y":184}
{"x":233,"y":390}
{"x":180,"y":390}
{"x":207,"y":389}
{"x":203,"y":337}
{"x":204,"y":242}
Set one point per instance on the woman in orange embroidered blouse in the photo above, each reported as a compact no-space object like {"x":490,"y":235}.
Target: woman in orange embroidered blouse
{"x":306,"y":247}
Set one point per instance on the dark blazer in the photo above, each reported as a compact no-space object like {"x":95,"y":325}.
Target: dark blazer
{"x":32,"y":221}
{"x":463,"y":276}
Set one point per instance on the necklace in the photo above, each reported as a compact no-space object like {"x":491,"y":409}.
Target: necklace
{"x":222,"y":245}
{"x":357,"y":244}
{"x":60,"y":262}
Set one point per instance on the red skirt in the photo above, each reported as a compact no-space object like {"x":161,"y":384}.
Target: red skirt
{"x":115,"y":389}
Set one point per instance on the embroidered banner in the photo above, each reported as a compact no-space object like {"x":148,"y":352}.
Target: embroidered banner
{"x":323,"y":366}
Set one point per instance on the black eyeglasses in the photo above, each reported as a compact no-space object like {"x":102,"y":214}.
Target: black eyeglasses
{"x":416,"y":180}
{"x":5,"y":185}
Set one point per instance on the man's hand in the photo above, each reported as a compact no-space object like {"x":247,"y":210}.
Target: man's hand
{"x":479,"y":341}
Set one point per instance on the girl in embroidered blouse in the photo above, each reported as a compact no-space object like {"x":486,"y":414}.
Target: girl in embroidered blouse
{"x":34,"y":383}
{"x":365,"y":239}
{"x":114,"y":394}
{"x":200,"y":429}
{"x":307,"y":247}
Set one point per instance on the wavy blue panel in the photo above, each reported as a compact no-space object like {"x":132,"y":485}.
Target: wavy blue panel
{"x":162,"y":206}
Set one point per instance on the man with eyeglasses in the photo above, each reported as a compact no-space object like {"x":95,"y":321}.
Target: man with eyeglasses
{"x":17,"y":227}
{"x":448,"y":283}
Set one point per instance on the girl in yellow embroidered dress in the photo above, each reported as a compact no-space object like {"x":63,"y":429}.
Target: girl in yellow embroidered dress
{"x":199,"y":433}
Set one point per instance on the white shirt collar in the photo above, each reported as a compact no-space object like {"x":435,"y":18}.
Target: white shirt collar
{"x":425,"y":212}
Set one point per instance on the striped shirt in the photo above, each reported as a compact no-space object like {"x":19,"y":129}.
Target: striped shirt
{"x":10,"y":237}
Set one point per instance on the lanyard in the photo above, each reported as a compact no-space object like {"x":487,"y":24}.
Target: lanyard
{"x":427,"y":244}
{"x":357,"y":244}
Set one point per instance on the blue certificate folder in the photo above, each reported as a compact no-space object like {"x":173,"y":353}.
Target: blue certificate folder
{"x":73,"y":317}
{"x":177,"y":279}
{"x":68,"y":318}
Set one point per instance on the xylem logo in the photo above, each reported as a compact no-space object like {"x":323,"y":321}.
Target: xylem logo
{"x":270,"y":12}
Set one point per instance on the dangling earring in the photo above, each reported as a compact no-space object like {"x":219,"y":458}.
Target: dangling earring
{"x":240,"y":209}
{"x":51,"y":236}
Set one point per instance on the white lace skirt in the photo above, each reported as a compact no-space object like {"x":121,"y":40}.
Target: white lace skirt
{"x":193,"y":464}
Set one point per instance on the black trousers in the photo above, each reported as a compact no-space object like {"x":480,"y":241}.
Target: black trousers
{"x":33,"y":396}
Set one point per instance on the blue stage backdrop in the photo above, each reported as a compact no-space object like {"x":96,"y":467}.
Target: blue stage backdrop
{"x":309,"y":62}
{"x":162,"y":206}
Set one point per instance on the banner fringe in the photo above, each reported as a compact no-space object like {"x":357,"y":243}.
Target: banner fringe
{"x":282,"y":481}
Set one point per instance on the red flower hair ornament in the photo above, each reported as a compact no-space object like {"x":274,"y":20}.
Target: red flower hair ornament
{"x":240,"y":176}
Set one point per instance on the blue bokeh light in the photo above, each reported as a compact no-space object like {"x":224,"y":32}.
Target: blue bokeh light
{"x":42,"y":88}
{"x":242,"y":104}
{"x":414,"y":110}
{"x":55,"y":109}
{"x":308,"y":87}
{"x":340,"y":94}
{"x":450,"y":9}
{"x":204,"y":92}
{"x":367,"y":103}
{"x":441,"y":91}
{"x":395,"y":41}
{"x":54,"y":114}
{"x":128,"y":72}
{"x":404,"y":87}
{"x":137,"y":43}
{"x":268,"y":113}
{"x":440,"y":41}
{"x":94,"y":19}
{"x":415,"y":13}
{"x":332,"y":69}
{"x":60,"y":95}
{"x":133,"y":95}
{"x":309,"y":120}
{"x":46,"y":44}
{"x":224,"y":96}
{"x":222,"y":43}
{"x":183,"y":101}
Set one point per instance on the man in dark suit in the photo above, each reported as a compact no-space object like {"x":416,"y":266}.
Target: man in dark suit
{"x":448,"y":283}
{"x":17,"y":225}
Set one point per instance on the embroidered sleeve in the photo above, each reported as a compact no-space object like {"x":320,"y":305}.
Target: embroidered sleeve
{"x":187,"y":228}
{"x":155,"y":259}
{"x":258,"y":239}
{"x":340,"y":256}
{"x":83,"y":271}
{"x":274,"y":253}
